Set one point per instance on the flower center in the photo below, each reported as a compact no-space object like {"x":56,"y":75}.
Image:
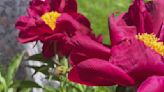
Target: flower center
{"x":50,"y":19}
{"x":152,"y":41}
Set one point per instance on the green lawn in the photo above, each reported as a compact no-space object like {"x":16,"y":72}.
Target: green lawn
{"x":98,"y":11}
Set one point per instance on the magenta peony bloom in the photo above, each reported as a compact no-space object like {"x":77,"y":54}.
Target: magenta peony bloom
{"x":54,"y":23}
{"x":135,"y":55}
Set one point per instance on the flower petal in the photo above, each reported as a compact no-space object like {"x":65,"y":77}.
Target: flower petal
{"x":147,"y":17}
{"x":97,"y":72}
{"x":85,"y":46}
{"x":55,"y":5}
{"x":25,"y":37}
{"x":25,"y":22}
{"x":81,"y":19}
{"x":119,"y":31}
{"x":138,"y":16}
{"x":152,"y":84}
{"x":38,"y":7}
{"x":64,"y":5}
{"x":67,"y":24}
{"x":71,"y":6}
{"x":26,"y":26}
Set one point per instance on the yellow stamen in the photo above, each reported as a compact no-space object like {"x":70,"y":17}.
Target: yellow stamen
{"x":50,"y":19}
{"x":152,"y":41}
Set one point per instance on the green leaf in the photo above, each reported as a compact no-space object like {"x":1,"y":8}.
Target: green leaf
{"x":40,"y":58}
{"x":2,"y":70}
{"x":43,"y":69}
{"x":3,"y":83}
{"x":1,"y":87}
{"x":25,"y":84}
{"x":12,"y":69}
{"x":29,"y":84}
{"x":50,"y":89}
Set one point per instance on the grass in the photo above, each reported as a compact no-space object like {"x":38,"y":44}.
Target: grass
{"x":97,"y":11}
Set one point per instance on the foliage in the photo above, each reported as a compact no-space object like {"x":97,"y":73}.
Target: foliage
{"x":7,"y":82}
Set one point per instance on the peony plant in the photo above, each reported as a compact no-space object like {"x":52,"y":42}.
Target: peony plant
{"x":134,"y":59}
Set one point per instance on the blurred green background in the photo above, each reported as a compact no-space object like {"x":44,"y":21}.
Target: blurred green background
{"x":98,"y":11}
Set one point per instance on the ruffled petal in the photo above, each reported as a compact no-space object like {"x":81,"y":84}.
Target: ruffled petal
{"x":27,"y":28}
{"x":70,"y":6}
{"x":85,"y":47}
{"x":67,"y":24}
{"x":119,"y":31}
{"x":63,"y":5}
{"x":55,"y":5}
{"x":81,"y":19}
{"x":55,"y":36}
{"x":97,"y":72}
{"x":155,"y":8}
{"x":30,"y":36}
{"x":25,"y":22}
{"x":138,"y":16}
{"x":147,"y":17}
{"x":38,"y":7}
{"x":152,"y":84}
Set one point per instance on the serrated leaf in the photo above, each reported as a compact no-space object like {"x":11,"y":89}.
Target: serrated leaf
{"x":13,"y":67}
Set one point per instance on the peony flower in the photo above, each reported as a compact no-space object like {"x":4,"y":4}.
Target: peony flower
{"x":54,"y":23}
{"x":135,"y":55}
